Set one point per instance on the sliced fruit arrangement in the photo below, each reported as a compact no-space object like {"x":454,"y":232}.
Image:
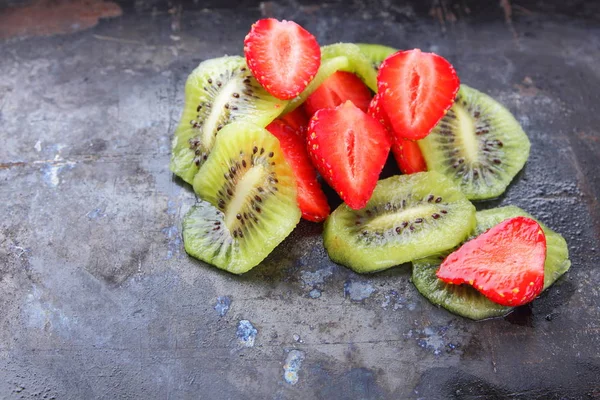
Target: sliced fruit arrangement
{"x":283,"y":56}
{"x":465,"y":300}
{"x":478,"y":144}
{"x":311,"y":199}
{"x":249,"y":193}
{"x":417,"y":89}
{"x":407,"y":218}
{"x":217,"y":92}
{"x":259,"y":134}
{"x":349,"y":149}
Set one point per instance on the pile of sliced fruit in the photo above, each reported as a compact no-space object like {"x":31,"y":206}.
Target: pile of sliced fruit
{"x":259,"y":134}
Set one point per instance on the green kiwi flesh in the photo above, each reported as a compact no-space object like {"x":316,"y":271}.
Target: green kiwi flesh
{"x":408,"y":217}
{"x":376,"y":53}
{"x":248,"y":200}
{"x":217,"y":92}
{"x":464,"y":300}
{"x":328,"y":67}
{"x":478,"y":144}
{"x":358,"y":63}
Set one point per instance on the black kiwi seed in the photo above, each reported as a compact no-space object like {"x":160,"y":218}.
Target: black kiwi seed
{"x":418,"y":220}
{"x":444,"y":212}
{"x":262,"y":150}
{"x":398,"y":230}
{"x":209,"y":80}
{"x":404,"y":224}
{"x":412,"y":228}
{"x":257,"y":209}
{"x":219,"y":83}
{"x":430,"y":198}
{"x":221,"y":203}
{"x":229,"y":192}
{"x":239,"y":216}
{"x":435,"y":216}
{"x":496,"y":161}
{"x":258,"y":198}
{"x":199,"y":108}
{"x":438,"y":199}
{"x":244,"y":163}
{"x":236,"y":95}
{"x":271,"y":154}
{"x":254,"y":150}
{"x":197,"y":162}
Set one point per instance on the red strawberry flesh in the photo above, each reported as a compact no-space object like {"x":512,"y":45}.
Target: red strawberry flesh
{"x":417,"y":90}
{"x":337,"y":89}
{"x":349,"y":149}
{"x":283,"y":56}
{"x":505,"y":264}
{"x":311,"y":199}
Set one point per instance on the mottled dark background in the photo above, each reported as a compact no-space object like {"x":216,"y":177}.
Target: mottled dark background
{"x":99,"y":300}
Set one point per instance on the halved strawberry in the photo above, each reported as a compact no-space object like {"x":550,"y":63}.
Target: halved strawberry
{"x":349,"y":149}
{"x":283,"y":56}
{"x":417,"y":89}
{"x":311,"y":199}
{"x":297,"y":120}
{"x":335,"y":90}
{"x":506,"y":263}
{"x":406,"y":152}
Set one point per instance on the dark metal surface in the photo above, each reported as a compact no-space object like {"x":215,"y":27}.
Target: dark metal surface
{"x":99,"y":300}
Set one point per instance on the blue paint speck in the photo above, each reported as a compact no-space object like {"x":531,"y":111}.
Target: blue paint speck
{"x":173,"y":241}
{"x":292,"y":365}
{"x":246,"y":333}
{"x":172,"y":207}
{"x":357,"y":290}
{"x":222,"y":306}
{"x":96,"y":213}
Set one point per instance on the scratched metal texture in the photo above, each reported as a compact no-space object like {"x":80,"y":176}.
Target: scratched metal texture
{"x":98,"y":299}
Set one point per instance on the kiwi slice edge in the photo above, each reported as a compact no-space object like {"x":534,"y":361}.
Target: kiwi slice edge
{"x":247,"y":201}
{"x":466,"y":301}
{"x":407,"y":217}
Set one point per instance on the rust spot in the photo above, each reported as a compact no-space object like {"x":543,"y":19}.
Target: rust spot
{"x":53,"y":17}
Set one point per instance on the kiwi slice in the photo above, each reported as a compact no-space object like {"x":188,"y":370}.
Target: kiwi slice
{"x":464,"y":299}
{"x":217,"y":92}
{"x":248,"y":204}
{"x":408,"y":217}
{"x":328,"y":67}
{"x":478,"y":144}
{"x":376,"y":53}
{"x":358,"y":63}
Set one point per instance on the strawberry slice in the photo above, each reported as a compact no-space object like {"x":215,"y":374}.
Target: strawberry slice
{"x":283,"y":56}
{"x":335,"y":90}
{"x":417,"y":89}
{"x":406,"y":152}
{"x":349,"y":149}
{"x":408,"y":156}
{"x":311,"y":199}
{"x":506,"y":263}
{"x":297,"y":120}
